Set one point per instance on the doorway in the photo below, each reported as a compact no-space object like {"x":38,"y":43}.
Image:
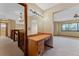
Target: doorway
{"x":3,"y":29}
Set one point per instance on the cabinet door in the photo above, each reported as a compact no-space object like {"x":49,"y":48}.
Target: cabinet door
{"x":35,"y":48}
{"x":40,"y":47}
{"x":32,"y":48}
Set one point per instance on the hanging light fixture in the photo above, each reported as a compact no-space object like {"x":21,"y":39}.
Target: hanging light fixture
{"x":76,"y":15}
{"x":36,"y":13}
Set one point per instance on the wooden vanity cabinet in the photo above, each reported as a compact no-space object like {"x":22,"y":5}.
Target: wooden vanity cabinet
{"x":35,"y":48}
{"x":21,"y":41}
{"x":12,"y":35}
{"x":36,"y":43}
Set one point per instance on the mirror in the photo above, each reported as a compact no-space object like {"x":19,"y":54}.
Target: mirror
{"x":32,"y":22}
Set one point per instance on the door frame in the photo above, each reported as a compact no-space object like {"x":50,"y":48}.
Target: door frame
{"x":25,"y":29}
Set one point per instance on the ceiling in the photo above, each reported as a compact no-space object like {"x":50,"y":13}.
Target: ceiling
{"x":45,"y":6}
{"x":67,"y":14}
{"x":62,"y":11}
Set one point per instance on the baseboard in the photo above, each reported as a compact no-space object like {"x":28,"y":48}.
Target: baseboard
{"x":66,"y":36}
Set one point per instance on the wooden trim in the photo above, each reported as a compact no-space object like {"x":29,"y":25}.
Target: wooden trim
{"x":25,"y":33}
{"x":23,"y":4}
{"x":6,"y":29}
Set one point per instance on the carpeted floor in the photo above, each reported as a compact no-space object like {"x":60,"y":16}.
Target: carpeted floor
{"x":9,"y":48}
{"x":64,"y":46}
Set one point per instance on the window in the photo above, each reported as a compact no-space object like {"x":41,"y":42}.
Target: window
{"x":70,"y":27}
{"x":64,"y":27}
{"x":73,"y":27}
{"x":78,"y":26}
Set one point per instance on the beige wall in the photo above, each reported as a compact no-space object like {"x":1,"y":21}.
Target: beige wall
{"x":46,"y":23}
{"x":57,"y":27}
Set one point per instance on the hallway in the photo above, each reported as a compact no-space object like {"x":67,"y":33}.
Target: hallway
{"x":64,"y":46}
{"x":9,"y":48}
